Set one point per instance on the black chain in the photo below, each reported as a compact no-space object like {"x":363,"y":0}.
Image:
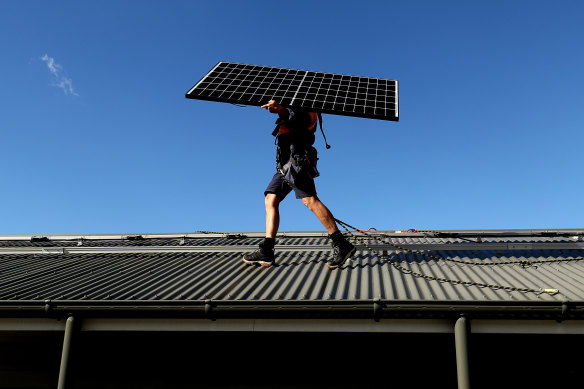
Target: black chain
{"x":523,"y":263}
{"x":428,"y":277}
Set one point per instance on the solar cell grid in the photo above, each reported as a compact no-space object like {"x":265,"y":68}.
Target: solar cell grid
{"x":322,"y":92}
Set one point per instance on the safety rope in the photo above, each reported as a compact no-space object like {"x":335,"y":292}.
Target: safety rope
{"x":522,"y":263}
{"x":429,"y":277}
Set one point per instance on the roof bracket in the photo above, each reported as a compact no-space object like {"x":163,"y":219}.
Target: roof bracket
{"x":209,"y":310}
{"x":564,"y":313}
{"x":48,"y":308}
{"x":377,"y":309}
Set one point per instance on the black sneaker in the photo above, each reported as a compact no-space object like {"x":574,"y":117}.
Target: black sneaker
{"x":342,"y":251}
{"x":262,"y":256}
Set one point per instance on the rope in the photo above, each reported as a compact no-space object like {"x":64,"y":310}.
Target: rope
{"x":434,"y":278}
{"x":523,"y":263}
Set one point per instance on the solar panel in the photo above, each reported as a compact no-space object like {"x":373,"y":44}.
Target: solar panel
{"x":337,"y":94}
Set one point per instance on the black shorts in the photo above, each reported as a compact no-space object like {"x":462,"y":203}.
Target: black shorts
{"x":302,"y":184}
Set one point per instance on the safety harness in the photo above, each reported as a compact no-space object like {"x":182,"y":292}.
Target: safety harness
{"x":303,"y":156}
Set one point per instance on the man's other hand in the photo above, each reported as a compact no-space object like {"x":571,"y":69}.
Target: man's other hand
{"x":274,"y":107}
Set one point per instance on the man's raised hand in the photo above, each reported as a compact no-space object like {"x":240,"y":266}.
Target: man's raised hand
{"x":274,"y":107}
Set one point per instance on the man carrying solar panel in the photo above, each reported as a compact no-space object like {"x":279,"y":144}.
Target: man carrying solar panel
{"x":296,"y":161}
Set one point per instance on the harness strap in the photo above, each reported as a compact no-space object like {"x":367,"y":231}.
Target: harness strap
{"x":281,"y":121}
{"x":321,"y":130}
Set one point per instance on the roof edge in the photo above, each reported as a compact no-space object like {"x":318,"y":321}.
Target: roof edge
{"x":209,"y":234}
{"x":285,"y":309}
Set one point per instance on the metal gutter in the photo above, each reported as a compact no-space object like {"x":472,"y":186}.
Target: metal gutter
{"x":284,"y":309}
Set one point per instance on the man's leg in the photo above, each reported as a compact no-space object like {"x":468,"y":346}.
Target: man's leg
{"x":265,"y":254}
{"x":342,"y":249}
{"x":272,"y":215}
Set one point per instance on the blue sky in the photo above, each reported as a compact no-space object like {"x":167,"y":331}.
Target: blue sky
{"x":99,"y":138}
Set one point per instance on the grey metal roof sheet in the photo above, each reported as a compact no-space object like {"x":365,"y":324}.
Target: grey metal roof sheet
{"x":209,"y":266}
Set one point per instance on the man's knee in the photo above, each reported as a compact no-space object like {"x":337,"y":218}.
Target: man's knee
{"x":310,"y":201}
{"x":271,"y":201}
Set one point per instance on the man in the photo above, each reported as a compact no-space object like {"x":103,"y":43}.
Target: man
{"x":296,"y":171}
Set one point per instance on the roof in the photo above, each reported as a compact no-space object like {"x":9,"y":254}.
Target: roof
{"x":486,"y":273}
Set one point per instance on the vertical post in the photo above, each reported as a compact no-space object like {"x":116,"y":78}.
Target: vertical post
{"x":461,"y":332}
{"x":66,"y":354}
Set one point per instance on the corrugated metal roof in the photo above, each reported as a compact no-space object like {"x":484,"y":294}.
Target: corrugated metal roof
{"x":208,"y":266}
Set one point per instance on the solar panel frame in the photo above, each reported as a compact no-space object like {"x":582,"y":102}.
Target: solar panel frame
{"x":330,"y":93}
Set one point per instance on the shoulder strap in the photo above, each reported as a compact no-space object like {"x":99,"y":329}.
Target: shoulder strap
{"x":321,"y":130}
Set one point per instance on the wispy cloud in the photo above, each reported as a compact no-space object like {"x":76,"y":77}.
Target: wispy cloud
{"x":60,"y":81}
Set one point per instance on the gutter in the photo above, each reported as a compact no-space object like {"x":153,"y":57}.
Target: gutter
{"x":282,"y":309}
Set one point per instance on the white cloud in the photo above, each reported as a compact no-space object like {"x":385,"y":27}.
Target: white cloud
{"x":66,"y":84}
